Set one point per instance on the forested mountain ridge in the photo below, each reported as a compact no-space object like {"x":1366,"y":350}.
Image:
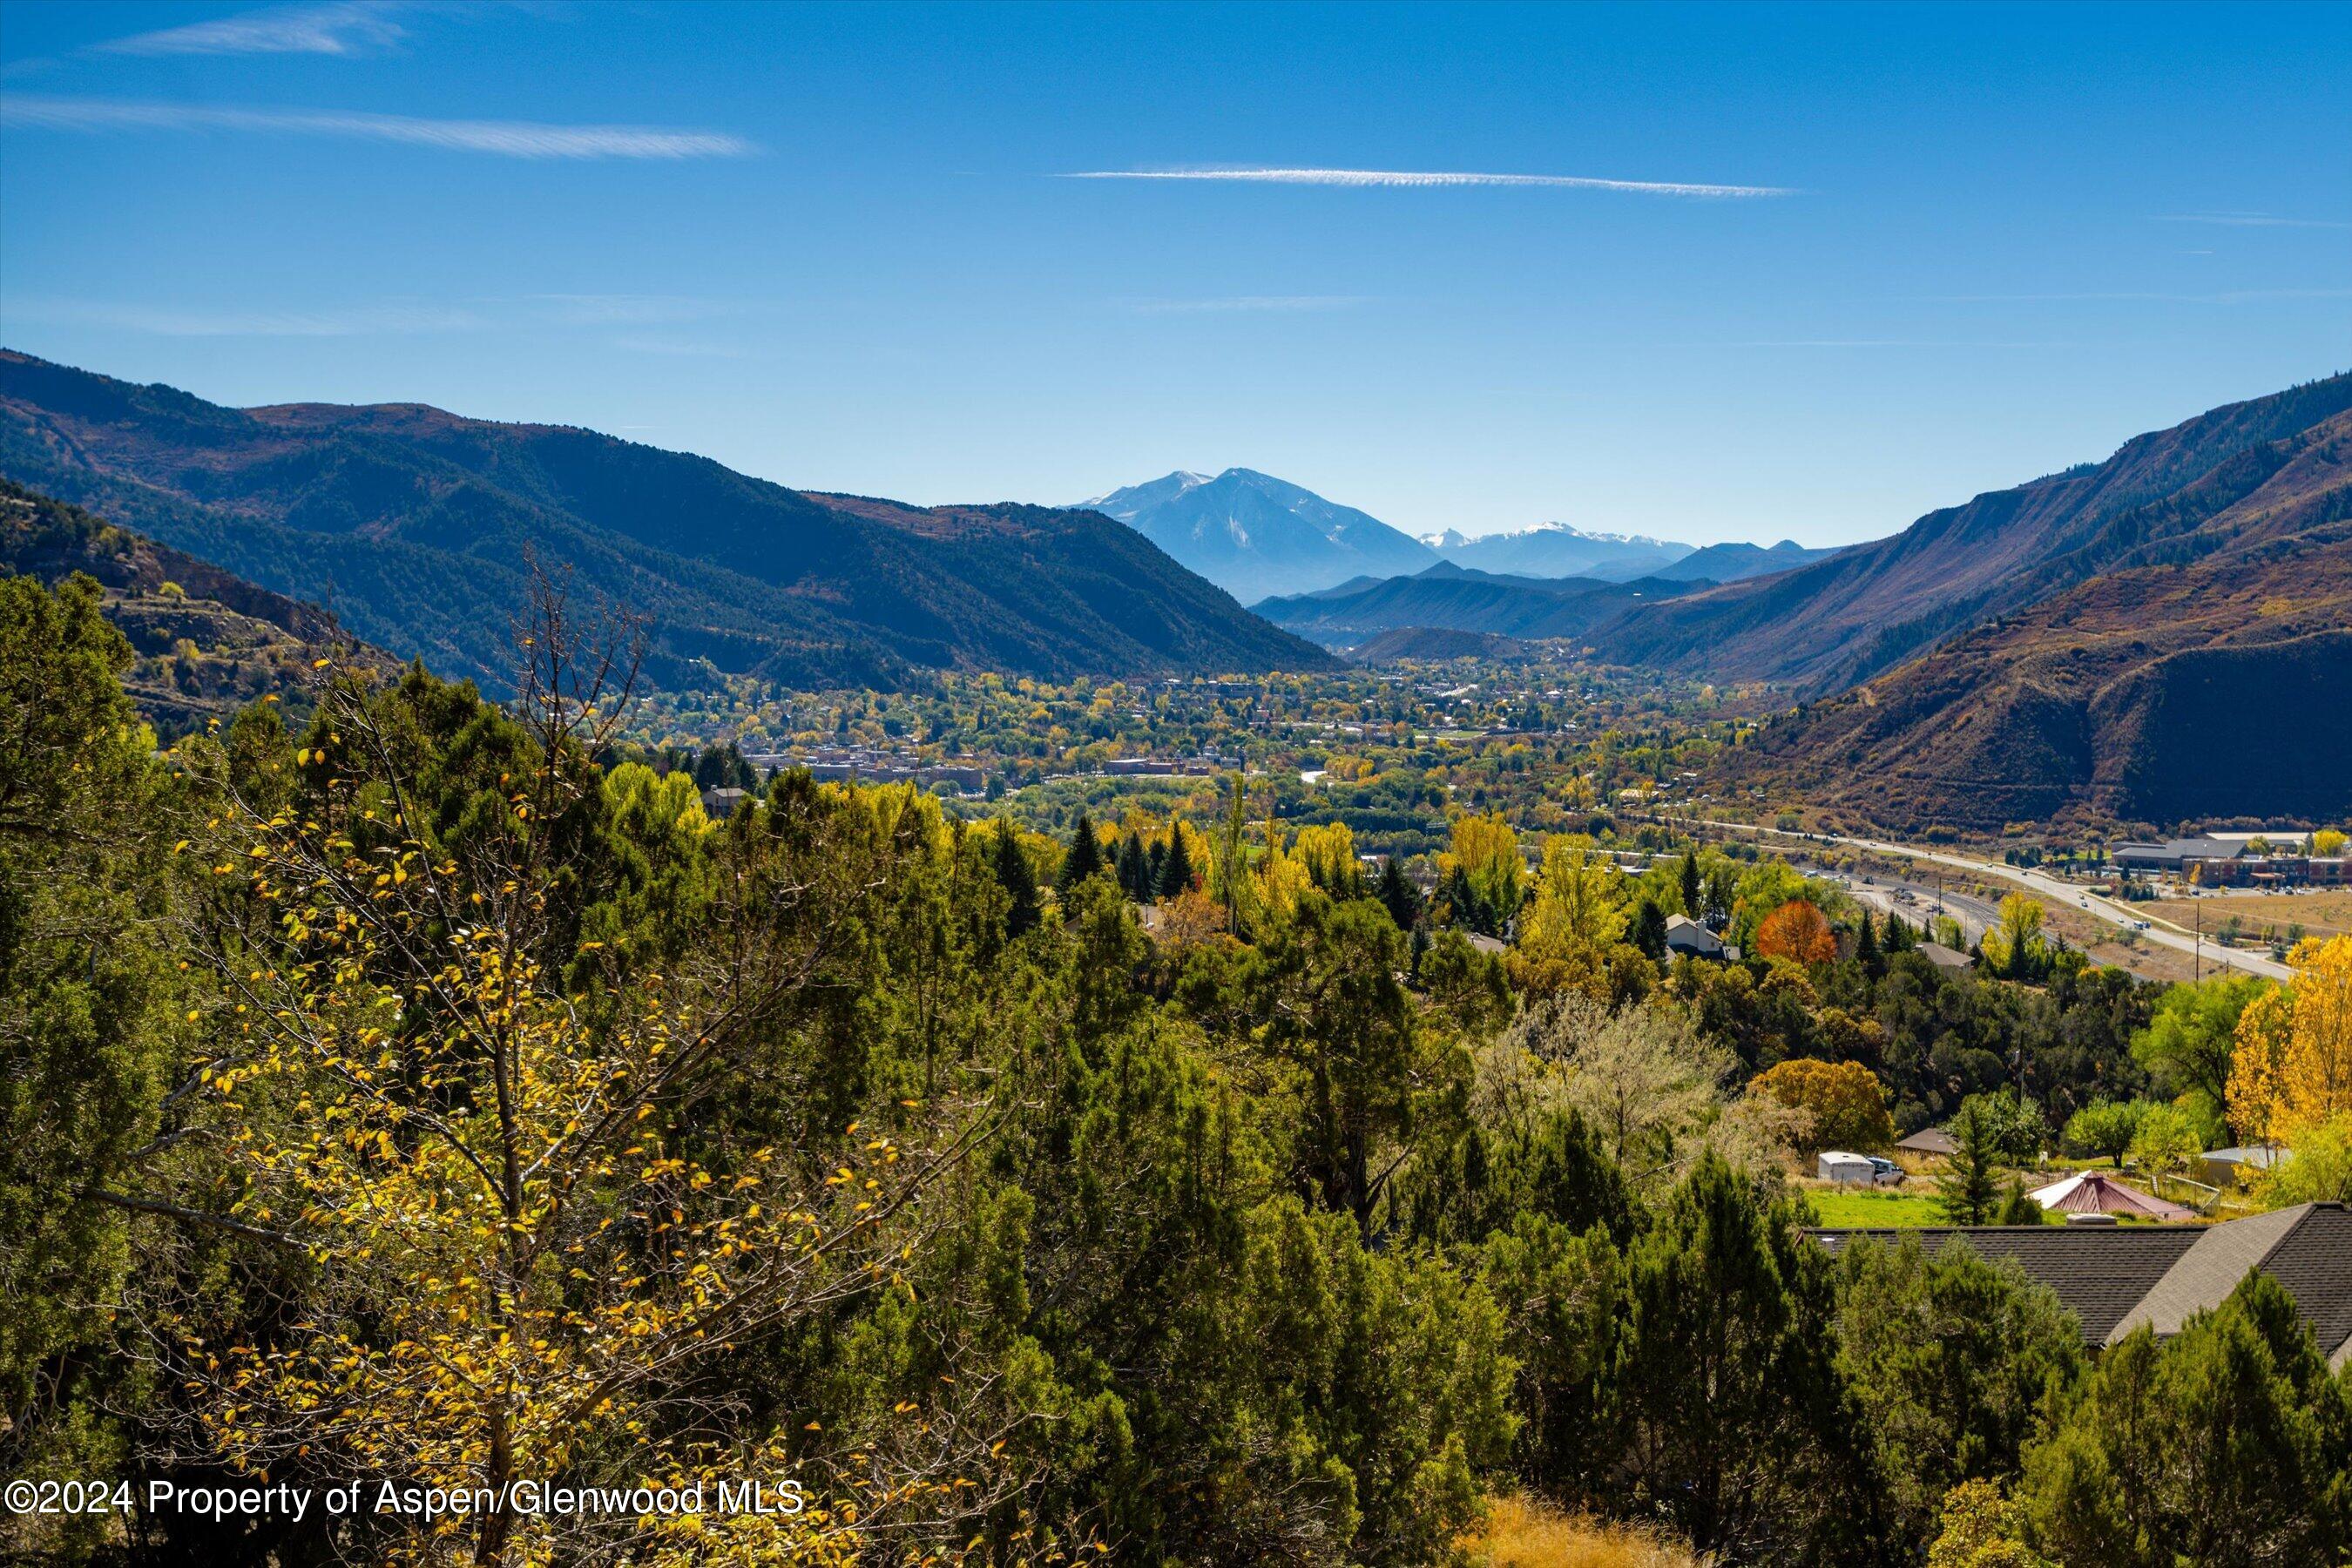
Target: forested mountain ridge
{"x":2198,"y":673}
{"x":2171,"y":494}
{"x":1453,"y":598}
{"x":207,"y":642}
{"x":423,"y":530}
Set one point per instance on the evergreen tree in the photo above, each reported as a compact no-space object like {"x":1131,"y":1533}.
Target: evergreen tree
{"x":1020,"y":883}
{"x":1735,"y":1424}
{"x":1649,"y":931}
{"x":2225,"y":1444}
{"x":1176,"y":871}
{"x":1967,"y":1190}
{"x":1398,"y":895}
{"x":1130,"y":869}
{"x":2018,"y":1206}
{"x":1690,"y":885}
{"x":1084,"y":858}
{"x":1865,"y":946}
{"x":1155,"y":866}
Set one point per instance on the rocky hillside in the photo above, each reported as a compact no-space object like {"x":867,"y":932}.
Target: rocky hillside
{"x":2203,"y":673}
{"x":2242,"y":471}
{"x":208,"y":642}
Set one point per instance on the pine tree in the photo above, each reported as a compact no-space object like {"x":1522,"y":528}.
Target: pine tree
{"x":1967,"y":1193}
{"x":1176,"y":871}
{"x":1155,"y":863}
{"x":1398,"y":895}
{"x":1011,"y":868}
{"x":1865,"y":945}
{"x":1084,"y":858}
{"x":1130,"y":869}
{"x":1649,"y":933}
{"x":1690,"y":885}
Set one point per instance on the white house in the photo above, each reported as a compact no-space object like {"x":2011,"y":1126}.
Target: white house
{"x":1685,"y":935}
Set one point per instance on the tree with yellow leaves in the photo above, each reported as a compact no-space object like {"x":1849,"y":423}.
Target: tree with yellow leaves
{"x":1483,"y":850}
{"x":520,"y":1243}
{"x":2292,"y":1068}
{"x":1575,"y":925}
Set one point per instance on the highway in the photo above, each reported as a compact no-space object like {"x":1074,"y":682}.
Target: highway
{"x":2160,"y":931}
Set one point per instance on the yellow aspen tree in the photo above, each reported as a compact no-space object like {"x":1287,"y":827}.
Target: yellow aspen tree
{"x":2292,"y":1065}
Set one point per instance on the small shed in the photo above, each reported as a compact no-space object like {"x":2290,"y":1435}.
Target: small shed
{"x":1930,"y":1140}
{"x":2241,"y":1163}
{"x":2091,"y":1191}
{"x":1838,"y":1166}
{"x":1943,"y":957}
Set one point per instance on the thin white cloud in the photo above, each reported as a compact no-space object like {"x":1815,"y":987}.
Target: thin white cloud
{"x":679,"y":348}
{"x":503,"y":138}
{"x":1414,"y":179}
{"x":1250,"y":303}
{"x":342,"y":27}
{"x":2254,"y":220}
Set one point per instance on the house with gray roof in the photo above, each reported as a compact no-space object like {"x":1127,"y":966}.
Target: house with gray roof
{"x":2115,"y":1278}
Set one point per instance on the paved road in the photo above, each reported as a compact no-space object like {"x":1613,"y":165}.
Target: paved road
{"x":2161,"y":931}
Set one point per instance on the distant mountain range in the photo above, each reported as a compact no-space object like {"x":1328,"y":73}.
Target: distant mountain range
{"x":1447,"y":597}
{"x":1433,"y":642}
{"x":421,"y":528}
{"x":1256,"y":536}
{"x":1834,"y":622}
{"x":2162,"y":637}
{"x":1253,"y":534}
{"x":1557,"y":550}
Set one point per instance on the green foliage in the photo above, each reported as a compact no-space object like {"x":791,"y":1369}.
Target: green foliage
{"x":2226,"y":1444}
{"x":1950,"y":1359}
{"x":2106,"y":1127}
{"x":1734,"y":1421}
{"x":2190,"y":1040}
{"x":89,"y":1040}
{"x":1969,"y":1189}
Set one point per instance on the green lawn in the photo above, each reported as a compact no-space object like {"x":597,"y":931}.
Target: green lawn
{"x":1844,"y":1207}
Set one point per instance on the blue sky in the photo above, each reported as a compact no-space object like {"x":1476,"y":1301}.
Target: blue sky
{"x":839,"y":248}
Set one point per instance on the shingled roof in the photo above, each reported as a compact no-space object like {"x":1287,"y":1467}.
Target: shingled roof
{"x":2308,"y":1248}
{"x":2116,"y":1278}
{"x":2099,"y":1272}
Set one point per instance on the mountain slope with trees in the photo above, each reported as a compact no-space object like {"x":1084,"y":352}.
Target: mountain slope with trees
{"x":424,"y":529}
{"x":1455,"y":598}
{"x":2248,"y":470}
{"x":206,"y":642}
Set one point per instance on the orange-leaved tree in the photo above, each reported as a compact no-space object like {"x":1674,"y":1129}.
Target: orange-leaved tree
{"x":1845,"y":1101}
{"x":1797,"y":930}
{"x":2292,"y":1065}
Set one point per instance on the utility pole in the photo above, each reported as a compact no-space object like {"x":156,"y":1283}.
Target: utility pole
{"x":2197,"y":948}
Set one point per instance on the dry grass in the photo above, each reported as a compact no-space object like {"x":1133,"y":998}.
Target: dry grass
{"x":1522,"y":1534}
{"x":2323,"y":913}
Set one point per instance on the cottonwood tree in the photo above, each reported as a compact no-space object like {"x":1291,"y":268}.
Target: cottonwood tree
{"x":1642,"y":1078}
{"x":2293,"y":1067}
